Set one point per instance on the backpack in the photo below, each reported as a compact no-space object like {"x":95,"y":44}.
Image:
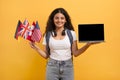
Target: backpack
{"x":48,"y":37}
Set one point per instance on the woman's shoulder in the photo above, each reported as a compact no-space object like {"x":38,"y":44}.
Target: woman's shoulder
{"x":72,"y":31}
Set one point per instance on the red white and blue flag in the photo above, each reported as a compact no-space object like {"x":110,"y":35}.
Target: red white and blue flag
{"x":36,"y":36}
{"x":28,"y":32}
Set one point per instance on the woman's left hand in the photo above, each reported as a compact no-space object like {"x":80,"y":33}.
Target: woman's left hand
{"x":91,"y":43}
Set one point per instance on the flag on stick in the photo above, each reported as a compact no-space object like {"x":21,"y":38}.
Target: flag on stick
{"x":37,"y":35}
{"x":31,"y":33}
{"x":17,"y":30}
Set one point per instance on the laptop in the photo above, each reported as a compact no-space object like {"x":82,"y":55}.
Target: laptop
{"x":91,"y":32}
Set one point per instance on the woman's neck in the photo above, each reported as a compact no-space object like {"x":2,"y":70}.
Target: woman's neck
{"x":59,"y":29}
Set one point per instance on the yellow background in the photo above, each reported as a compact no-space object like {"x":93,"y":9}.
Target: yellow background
{"x":19,"y":62}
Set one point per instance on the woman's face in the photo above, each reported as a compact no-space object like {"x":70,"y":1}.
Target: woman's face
{"x":59,"y":20}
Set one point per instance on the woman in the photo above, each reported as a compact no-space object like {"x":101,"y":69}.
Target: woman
{"x":60,"y":65}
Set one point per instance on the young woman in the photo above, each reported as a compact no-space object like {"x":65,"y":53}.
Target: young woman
{"x":60,"y":65}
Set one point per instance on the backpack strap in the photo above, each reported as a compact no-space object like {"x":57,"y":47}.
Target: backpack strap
{"x":47,"y":42}
{"x":71,"y":40}
{"x":70,"y":36}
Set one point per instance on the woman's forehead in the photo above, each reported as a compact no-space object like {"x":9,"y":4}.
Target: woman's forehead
{"x":59,"y":14}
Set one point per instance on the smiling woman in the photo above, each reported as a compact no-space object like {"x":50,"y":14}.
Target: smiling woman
{"x":60,"y":50}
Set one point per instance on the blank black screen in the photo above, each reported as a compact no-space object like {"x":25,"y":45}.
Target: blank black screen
{"x":91,"y":32}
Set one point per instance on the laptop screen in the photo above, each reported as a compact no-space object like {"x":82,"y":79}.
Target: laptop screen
{"x":90,"y":32}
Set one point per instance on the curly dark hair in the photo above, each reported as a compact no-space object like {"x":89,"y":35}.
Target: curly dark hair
{"x":50,"y":23}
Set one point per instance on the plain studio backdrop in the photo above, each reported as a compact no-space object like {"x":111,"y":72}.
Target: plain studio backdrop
{"x":19,"y":62}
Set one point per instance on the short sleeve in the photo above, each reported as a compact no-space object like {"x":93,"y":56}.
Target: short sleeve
{"x":44,"y":40}
{"x":74,"y":35}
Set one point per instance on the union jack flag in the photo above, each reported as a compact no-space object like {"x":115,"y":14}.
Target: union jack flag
{"x":31,"y":33}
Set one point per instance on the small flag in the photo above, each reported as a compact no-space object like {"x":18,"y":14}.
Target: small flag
{"x":17,"y":30}
{"x":37,"y":35}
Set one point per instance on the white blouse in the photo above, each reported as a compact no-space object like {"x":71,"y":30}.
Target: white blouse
{"x":60,"y":49}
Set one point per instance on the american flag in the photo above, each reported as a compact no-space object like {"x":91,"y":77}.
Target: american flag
{"x":37,"y":35}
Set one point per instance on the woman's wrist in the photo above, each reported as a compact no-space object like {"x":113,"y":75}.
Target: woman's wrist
{"x":88,"y":44}
{"x":36,"y":48}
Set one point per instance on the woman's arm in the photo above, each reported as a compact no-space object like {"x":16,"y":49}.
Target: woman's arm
{"x":40,"y":51}
{"x":77,"y":51}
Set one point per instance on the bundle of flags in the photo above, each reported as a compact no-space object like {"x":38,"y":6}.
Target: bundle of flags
{"x":28,"y":32}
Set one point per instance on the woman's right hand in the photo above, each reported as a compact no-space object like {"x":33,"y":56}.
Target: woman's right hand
{"x":33,"y":45}
{"x":41,"y":52}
